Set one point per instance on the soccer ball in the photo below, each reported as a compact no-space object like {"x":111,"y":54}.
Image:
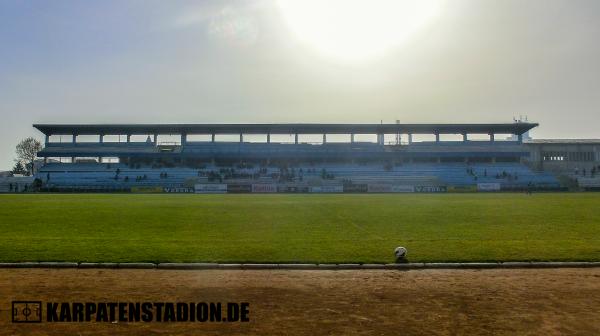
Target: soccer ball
{"x":400,"y":253}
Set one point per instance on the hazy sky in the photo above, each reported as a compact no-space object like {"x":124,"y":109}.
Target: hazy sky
{"x":239,"y":61}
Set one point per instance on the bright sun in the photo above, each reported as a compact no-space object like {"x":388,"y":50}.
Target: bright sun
{"x":357,"y":30}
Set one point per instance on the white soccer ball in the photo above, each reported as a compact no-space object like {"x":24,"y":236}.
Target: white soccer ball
{"x":400,"y":252}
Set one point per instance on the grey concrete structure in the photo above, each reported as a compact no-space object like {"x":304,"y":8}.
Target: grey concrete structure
{"x":567,"y":156}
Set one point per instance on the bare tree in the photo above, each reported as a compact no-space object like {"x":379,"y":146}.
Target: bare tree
{"x":27,"y":151}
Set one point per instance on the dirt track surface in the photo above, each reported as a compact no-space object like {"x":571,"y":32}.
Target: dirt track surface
{"x":423,"y":302}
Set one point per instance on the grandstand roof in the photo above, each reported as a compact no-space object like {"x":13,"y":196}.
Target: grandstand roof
{"x":94,"y":129}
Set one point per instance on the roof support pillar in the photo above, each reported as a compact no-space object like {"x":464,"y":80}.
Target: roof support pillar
{"x":296,"y":138}
{"x":183,"y":139}
{"x":465,"y":138}
{"x":101,"y":138}
{"x":352,"y":138}
{"x":241,"y":137}
{"x":324,"y":138}
{"x":268,"y":137}
{"x":128,"y":137}
{"x":155,"y":138}
{"x":47,"y":140}
{"x":437,"y":137}
{"x":212,"y":137}
{"x":491,"y":137}
{"x":520,"y":138}
{"x":74,"y":138}
{"x":409,"y":138}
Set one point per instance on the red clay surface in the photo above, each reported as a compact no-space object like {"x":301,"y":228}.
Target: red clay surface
{"x":419,"y":302}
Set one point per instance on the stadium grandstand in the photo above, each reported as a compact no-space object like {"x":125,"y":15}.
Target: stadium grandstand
{"x":574,"y":161}
{"x":135,"y":158}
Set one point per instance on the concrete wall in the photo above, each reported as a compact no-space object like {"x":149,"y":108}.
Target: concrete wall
{"x":564,"y":158}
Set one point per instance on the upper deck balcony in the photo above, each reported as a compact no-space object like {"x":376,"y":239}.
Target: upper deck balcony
{"x":242,"y":149}
{"x":250,"y":150}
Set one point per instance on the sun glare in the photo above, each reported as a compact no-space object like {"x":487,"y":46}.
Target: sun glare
{"x":357,"y":30}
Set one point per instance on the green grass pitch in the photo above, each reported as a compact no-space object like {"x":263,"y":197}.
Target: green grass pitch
{"x":299,"y":228}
